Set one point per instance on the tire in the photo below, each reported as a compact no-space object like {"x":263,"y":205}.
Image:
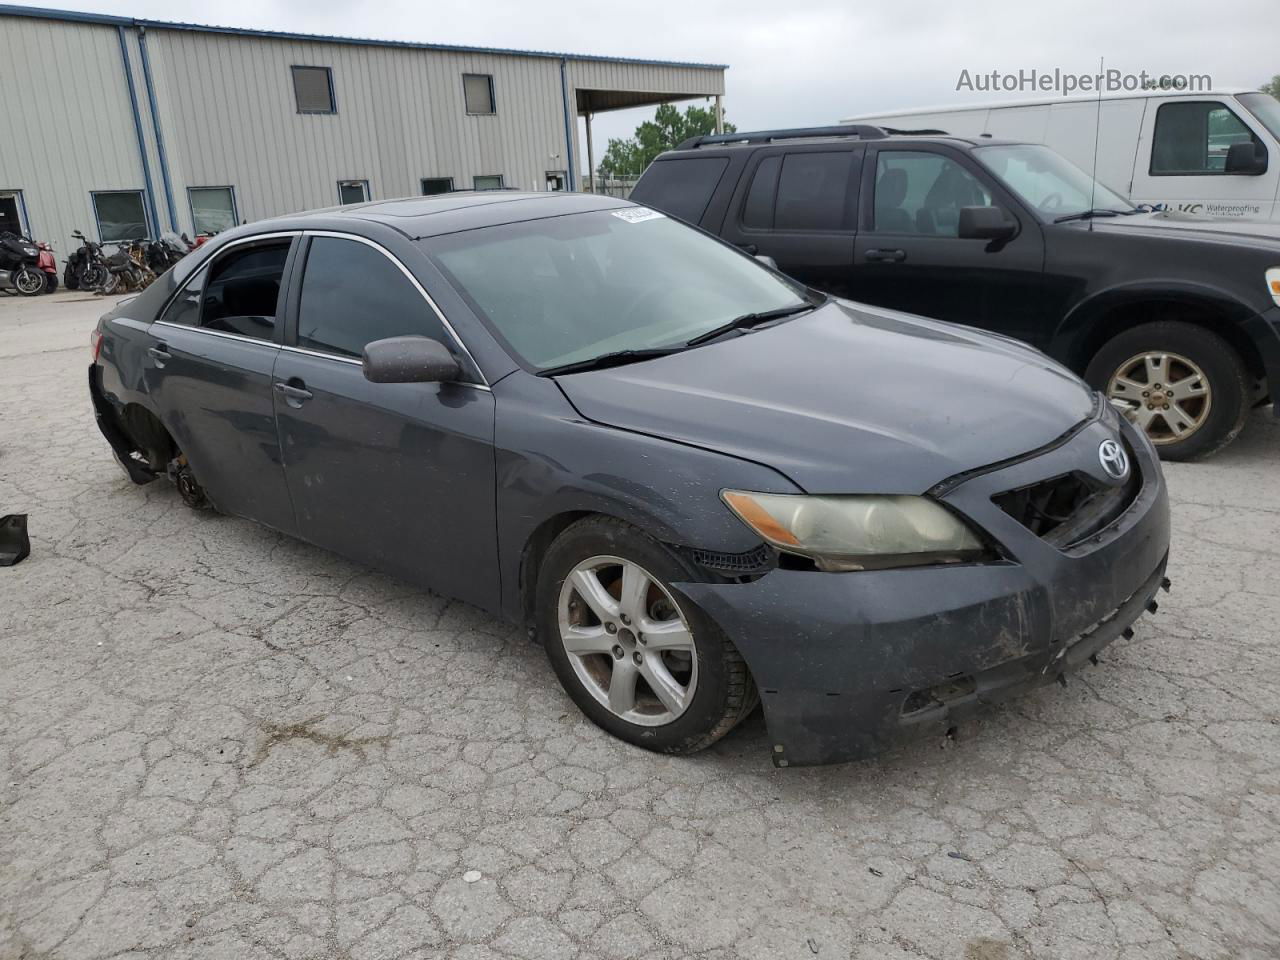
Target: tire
{"x":28,"y":281}
{"x":700,"y":660}
{"x":93,"y":276}
{"x":50,"y":283}
{"x":69,"y":278}
{"x":1204,"y":405}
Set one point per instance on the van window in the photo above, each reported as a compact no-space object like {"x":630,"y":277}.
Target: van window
{"x":1193,"y":138}
{"x":922,"y":192}
{"x":812,"y":191}
{"x":683,"y":187}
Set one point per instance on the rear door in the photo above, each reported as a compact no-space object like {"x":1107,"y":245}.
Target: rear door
{"x":398,"y":475}
{"x":799,"y":205}
{"x":908,"y":254}
{"x":209,"y":374}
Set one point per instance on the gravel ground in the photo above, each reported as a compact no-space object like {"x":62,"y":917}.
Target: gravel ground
{"x":218,"y":742}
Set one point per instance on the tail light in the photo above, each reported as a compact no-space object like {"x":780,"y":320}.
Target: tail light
{"x":95,"y":343}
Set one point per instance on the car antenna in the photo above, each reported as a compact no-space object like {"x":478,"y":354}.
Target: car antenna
{"x":1097,"y":129}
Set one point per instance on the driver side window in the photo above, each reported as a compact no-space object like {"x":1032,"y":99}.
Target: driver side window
{"x":918,"y":192}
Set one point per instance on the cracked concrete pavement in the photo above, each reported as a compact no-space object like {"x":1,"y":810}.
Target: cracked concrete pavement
{"x":219,"y":742}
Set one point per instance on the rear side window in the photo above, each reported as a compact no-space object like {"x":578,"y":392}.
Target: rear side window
{"x":352,"y":294}
{"x":1193,"y":138}
{"x":185,"y":308}
{"x":813,"y":189}
{"x":682,"y":187}
{"x":243,"y":291}
{"x":757,"y":210}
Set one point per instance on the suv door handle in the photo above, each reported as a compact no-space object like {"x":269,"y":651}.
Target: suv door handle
{"x":886,"y":256}
{"x":294,"y":396}
{"x":160,"y":353}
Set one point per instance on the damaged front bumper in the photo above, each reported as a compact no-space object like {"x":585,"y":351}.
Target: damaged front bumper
{"x":848,"y":664}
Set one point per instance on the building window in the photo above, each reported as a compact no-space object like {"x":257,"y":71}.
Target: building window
{"x":353,"y":191}
{"x":1193,"y":138}
{"x":213,"y":209}
{"x":488,"y":182}
{"x":313,"y":89}
{"x":477,"y":88}
{"x":433,"y":185}
{"x":11,"y":213}
{"x":120,"y":215}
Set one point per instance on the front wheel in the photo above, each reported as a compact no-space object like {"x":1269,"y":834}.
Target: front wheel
{"x":1184,"y":386}
{"x":640,"y":662}
{"x":28,"y":281}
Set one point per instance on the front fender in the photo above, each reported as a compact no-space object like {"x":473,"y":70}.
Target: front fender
{"x":552,"y":462}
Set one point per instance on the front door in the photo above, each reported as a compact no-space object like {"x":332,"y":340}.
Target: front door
{"x":209,"y":369}
{"x":908,"y":255}
{"x":1181,"y":162}
{"x":397,"y":475}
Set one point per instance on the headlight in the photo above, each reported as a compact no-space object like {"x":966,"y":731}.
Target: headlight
{"x":1273,"y":283}
{"x":858,"y":532}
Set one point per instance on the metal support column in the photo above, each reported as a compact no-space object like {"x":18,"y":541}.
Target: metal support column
{"x":591,"y":155}
{"x":719,"y":114}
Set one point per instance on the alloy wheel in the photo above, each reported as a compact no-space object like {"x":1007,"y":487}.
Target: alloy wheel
{"x":628,"y":642}
{"x":1165,"y":394}
{"x":29,"y":282}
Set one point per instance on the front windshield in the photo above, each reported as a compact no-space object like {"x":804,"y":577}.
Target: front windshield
{"x":572,"y":288}
{"x":1265,"y":107}
{"x":1049,"y":182}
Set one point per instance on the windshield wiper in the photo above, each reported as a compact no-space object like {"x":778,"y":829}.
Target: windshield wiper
{"x":615,"y":359}
{"x":1096,"y":212}
{"x":749,"y":320}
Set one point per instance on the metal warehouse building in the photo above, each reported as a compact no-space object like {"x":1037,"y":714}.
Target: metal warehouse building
{"x":125,"y":128}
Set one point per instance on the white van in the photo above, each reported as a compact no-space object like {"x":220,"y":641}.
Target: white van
{"x":1215,"y":153}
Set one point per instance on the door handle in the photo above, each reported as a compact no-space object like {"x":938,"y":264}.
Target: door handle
{"x":160,"y":354}
{"x":886,"y":256}
{"x":750,"y":248}
{"x":295,"y":396}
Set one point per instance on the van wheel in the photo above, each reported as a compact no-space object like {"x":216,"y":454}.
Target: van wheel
{"x":1181,"y":384}
{"x":642,"y":663}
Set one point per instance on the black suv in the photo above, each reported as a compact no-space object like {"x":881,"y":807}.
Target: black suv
{"x":1175,"y":317}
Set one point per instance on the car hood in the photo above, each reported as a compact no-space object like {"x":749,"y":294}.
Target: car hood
{"x":846,"y":399}
{"x":1172,"y":223}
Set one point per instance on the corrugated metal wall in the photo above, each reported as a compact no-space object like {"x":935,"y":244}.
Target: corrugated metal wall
{"x":227,"y":117}
{"x":68,"y":126}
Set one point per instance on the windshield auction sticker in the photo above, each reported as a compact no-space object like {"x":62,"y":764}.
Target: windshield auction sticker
{"x":638,"y":214}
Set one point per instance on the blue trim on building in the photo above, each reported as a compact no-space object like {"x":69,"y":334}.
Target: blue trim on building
{"x":46,"y":13}
{"x":568,"y":125}
{"x":137,"y":126}
{"x":155,"y":124}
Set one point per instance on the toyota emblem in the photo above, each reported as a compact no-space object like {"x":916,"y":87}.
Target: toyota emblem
{"x":1115,"y":462}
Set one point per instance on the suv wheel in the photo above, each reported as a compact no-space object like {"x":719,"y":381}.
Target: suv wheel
{"x":641,"y":663}
{"x":1184,"y":386}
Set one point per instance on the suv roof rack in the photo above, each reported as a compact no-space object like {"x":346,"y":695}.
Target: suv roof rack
{"x":862,"y":130}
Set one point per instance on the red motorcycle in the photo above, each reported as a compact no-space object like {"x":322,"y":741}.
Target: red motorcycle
{"x":46,"y":262}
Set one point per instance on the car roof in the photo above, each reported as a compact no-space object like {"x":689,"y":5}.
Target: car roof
{"x":420,"y":217}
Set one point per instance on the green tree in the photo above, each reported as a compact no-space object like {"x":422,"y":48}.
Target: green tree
{"x":668,"y":127}
{"x":1273,"y":87}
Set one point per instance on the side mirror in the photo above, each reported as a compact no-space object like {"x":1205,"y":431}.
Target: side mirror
{"x":985,"y":223}
{"x":1246,"y":159}
{"x":767,"y":260}
{"x":409,"y":360}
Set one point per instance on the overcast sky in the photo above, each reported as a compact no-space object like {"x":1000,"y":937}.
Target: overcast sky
{"x":805,"y":61}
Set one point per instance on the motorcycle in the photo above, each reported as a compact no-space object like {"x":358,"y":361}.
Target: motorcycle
{"x":86,"y":268}
{"x":125,"y":271}
{"x":46,"y":262}
{"x":162,"y":254}
{"x":19,"y":266}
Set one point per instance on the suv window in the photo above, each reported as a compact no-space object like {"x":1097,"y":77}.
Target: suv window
{"x":922,"y":192}
{"x":812,"y":191}
{"x":684,"y":186}
{"x":243,"y":290}
{"x":757,"y":210}
{"x":352,"y":295}
{"x":1193,"y":138}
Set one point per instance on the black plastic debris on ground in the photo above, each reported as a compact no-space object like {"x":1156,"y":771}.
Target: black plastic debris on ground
{"x":14,"y":542}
